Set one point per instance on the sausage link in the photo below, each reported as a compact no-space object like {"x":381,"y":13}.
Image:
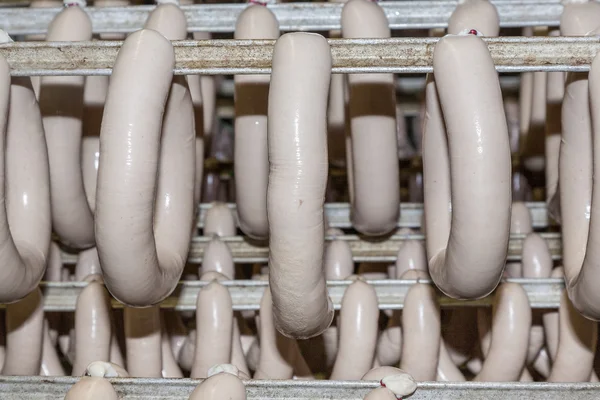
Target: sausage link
{"x":551,"y":322}
{"x":397,"y":381}
{"x":578,"y":338}
{"x":219,"y":220}
{"x":237,"y":352}
{"x":61,"y":104}
{"x":143,"y":341}
{"x":50,"y":364}
{"x":511,"y":324}
{"x":92,"y":325}
{"x":24,"y":335}
{"x":170,"y":369}
{"x":421,"y":327}
{"x":542,"y":364}
{"x":54,"y":266}
{"x":297,"y":139}
{"x":116,"y":356}
{"x":555,"y":92}
{"x":88,"y":263}
{"x":447,"y":371}
{"x":338,"y":260}
{"x":520,"y":224}
{"x":103,"y":369}
{"x":480,"y":15}
{"x":91,"y":388}
{"x":481,"y":187}
{"x":251,"y":156}
{"x":358,"y":328}
{"x":217,"y":257}
{"x":372,"y":114}
{"x":534,"y":141}
{"x":153,"y":245}
{"x":220,"y":386}
{"x":214,"y":328}
{"x":208,"y":90}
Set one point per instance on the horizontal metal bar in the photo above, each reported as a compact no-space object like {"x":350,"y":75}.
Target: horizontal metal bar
{"x":247,"y":294}
{"x":395,"y":55}
{"x":54,"y":388}
{"x":363,"y":250}
{"x":338,"y":214}
{"x":291,"y":16}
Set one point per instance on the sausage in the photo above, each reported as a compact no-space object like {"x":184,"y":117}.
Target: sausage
{"x":170,"y":369}
{"x":92,"y":325}
{"x":217,"y":257}
{"x":24,"y":335}
{"x":219,"y":220}
{"x":87,"y":264}
{"x":447,"y":371}
{"x":534,"y":141}
{"x":481,"y":187}
{"x":297,"y":140}
{"x":220,"y":386}
{"x":54,"y":266}
{"x":542,"y":364}
{"x":421,"y":328}
{"x":275,"y":359}
{"x":372,"y":109}
{"x":251,"y":163}
{"x":511,"y":324}
{"x":237,"y":352}
{"x":536,"y":258}
{"x":208,"y":90}
{"x":116,"y":356}
{"x":520,"y":224}
{"x":551,"y":322}
{"x":579,"y":17}
{"x":143,"y":341}
{"x":578,"y":337}
{"x":91,"y":388}
{"x":24,"y":189}
{"x":194,"y":85}
{"x":214,"y":328}
{"x":153,"y":245}
{"x":380,"y":393}
{"x":358,"y":329}
{"x":61,"y":104}
{"x":411,"y":257}
{"x":103,"y":369}
{"x":397,"y":381}
{"x":480,"y":15}
{"x":50,"y":364}
{"x":578,"y":212}
{"x":338,"y":260}
{"x":511,"y":109}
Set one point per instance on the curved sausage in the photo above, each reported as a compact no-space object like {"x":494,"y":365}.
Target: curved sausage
{"x":421,"y":328}
{"x":579,"y":213}
{"x":487,"y":20}
{"x":338,"y":260}
{"x":542,"y":364}
{"x":275,"y":360}
{"x":92,"y":325}
{"x":214,"y":328}
{"x":511,"y":324}
{"x":220,"y":386}
{"x":143,"y":342}
{"x":477,"y":240}
{"x":372,"y":114}
{"x":447,"y":371}
{"x":297,"y":139}
{"x":251,"y":157}
{"x":536,"y":258}
{"x":555,"y":92}
{"x":103,"y":369}
{"x":50,"y":364}
{"x":24,"y":335}
{"x":578,"y":338}
{"x":91,"y":388}
{"x":217,"y":257}
{"x":219,"y":220}
{"x":154,"y":245}
{"x":411,"y":257}
{"x":170,"y":369}
{"x":358,"y":329}
{"x":24,"y":189}
{"x":61,"y":104}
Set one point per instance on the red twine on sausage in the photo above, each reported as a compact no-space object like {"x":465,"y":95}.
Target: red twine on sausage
{"x":260,"y":3}
{"x":473,"y":32}
{"x":381,"y":381}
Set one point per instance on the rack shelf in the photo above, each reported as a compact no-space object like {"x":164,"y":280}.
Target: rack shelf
{"x":33,"y":388}
{"x":291,"y":16}
{"x":246,"y":294}
{"x":395,"y":55}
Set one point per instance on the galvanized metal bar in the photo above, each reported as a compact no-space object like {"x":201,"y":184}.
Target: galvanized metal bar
{"x":246,"y":294}
{"x":363,"y":250}
{"x":55,"y":388}
{"x":338,"y":214}
{"x":291,"y":16}
{"x":395,"y":55}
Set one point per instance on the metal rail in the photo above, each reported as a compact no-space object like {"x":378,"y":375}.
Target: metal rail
{"x":396,"y":55}
{"x":363,"y":250}
{"x":338,"y":214}
{"x":246,"y":294}
{"x":55,"y":388}
{"x":291,"y":16}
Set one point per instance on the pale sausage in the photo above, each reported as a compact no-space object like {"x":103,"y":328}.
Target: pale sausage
{"x":91,"y":388}
{"x":220,"y":386}
{"x":219,"y":220}
{"x":143,"y":341}
{"x":480,"y":15}
{"x":297,"y":139}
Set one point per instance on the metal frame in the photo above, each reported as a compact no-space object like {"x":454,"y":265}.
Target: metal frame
{"x":42,"y":387}
{"x":246,"y":294}
{"x":223,"y":57}
{"x":338,"y":214}
{"x":291,"y":16}
{"x":245,"y":251}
